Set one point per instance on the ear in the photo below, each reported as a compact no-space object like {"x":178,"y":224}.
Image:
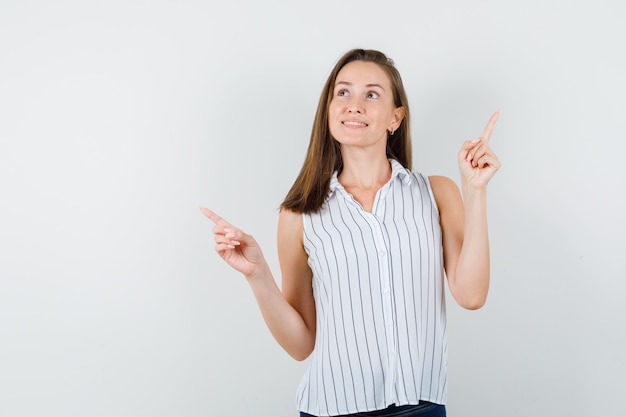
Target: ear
{"x":397,"y":117}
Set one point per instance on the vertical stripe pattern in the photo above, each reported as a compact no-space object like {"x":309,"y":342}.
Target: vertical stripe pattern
{"x":379,"y":296}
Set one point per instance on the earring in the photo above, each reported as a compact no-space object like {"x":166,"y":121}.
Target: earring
{"x":392,"y":131}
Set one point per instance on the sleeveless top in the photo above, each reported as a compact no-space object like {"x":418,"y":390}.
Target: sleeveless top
{"x":379,"y":298}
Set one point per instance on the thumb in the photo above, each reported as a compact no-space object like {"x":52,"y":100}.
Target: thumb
{"x":237,"y":235}
{"x":467,"y":146}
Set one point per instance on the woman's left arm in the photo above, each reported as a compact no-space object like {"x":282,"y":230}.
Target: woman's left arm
{"x":464,"y":220}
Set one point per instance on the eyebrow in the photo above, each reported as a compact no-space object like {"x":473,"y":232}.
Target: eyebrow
{"x":350,"y":85}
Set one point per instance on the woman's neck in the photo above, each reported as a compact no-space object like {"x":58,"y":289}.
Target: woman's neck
{"x":364,"y":173}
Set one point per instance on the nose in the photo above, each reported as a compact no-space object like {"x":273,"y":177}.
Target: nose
{"x":355,"y":105}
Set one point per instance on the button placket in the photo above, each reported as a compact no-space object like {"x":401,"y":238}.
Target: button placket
{"x":385,"y":285}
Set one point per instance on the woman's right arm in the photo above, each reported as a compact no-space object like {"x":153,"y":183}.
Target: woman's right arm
{"x":297,"y":278}
{"x":290,"y":314}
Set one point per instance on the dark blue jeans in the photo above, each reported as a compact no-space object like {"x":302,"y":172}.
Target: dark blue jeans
{"x":424,"y":409}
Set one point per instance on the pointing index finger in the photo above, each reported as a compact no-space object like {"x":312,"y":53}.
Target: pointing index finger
{"x":211,"y":215}
{"x":489,"y":128}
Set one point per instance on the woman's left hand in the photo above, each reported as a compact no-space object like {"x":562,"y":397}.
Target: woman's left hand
{"x":477,"y":162}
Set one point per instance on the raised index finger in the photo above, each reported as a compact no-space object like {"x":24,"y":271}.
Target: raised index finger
{"x":211,"y":215}
{"x":489,"y":128}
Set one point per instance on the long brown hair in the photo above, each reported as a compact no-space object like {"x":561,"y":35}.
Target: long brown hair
{"x":308,"y":193}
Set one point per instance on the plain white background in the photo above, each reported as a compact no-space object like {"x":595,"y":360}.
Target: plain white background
{"x":119,"y":119}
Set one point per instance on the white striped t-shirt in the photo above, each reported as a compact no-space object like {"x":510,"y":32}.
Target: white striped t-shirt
{"x":379,"y":297}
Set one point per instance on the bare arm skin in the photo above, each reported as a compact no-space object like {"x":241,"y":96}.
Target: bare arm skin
{"x":464,"y":221}
{"x":290,"y":316}
{"x":297,"y":277}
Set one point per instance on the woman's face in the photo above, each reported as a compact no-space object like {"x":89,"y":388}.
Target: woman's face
{"x":362,"y":109}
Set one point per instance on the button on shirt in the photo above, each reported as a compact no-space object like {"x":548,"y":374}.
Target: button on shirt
{"x":379,"y":297}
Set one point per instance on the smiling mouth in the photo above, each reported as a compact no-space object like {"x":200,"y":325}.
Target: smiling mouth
{"x":355,"y":124}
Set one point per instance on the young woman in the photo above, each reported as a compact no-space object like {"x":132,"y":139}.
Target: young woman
{"x":363,"y":244}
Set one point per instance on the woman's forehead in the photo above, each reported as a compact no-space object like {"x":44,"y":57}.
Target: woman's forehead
{"x":363,"y":73}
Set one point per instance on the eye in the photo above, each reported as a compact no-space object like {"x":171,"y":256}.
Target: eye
{"x":342,"y":93}
{"x":373,"y":94}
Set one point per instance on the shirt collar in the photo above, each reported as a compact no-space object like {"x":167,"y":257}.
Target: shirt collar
{"x":397,"y":170}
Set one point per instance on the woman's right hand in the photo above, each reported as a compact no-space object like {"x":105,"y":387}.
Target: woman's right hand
{"x":237,"y":248}
{"x":291,"y":318}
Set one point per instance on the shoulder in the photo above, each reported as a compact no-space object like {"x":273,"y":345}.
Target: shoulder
{"x":442,"y":184}
{"x":445,"y":191}
{"x":290,"y":227}
{"x":291,"y":254}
